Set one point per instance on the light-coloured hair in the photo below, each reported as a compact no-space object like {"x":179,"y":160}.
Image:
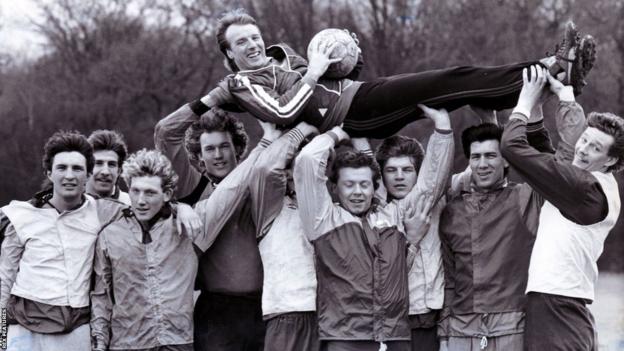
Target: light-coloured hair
{"x":150,"y":163}
{"x":613,"y":125}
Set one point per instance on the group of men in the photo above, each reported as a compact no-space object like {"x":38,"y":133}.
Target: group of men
{"x":314,"y":241}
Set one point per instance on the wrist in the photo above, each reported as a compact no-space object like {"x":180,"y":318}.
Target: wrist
{"x":566,"y":94}
{"x":271,"y":137}
{"x":340,"y":133}
{"x":305,"y":128}
{"x":312,"y":75}
{"x":444,"y":124}
{"x":207,"y":100}
{"x":522,"y":109}
{"x":537,"y":114}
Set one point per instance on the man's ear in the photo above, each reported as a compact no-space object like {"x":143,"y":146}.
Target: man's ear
{"x":610,"y":162}
{"x":48,"y":174}
{"x":168,"y":195}
{"x":229,"y":54}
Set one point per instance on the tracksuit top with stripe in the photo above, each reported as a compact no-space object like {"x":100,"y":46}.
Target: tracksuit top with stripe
{"x":279,"y":94}
{"x":361,"y":262}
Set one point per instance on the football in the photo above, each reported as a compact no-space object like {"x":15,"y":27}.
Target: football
{"x":347,"y":49}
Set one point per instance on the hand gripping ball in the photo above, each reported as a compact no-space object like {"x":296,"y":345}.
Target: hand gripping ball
{"x":347,"y":49}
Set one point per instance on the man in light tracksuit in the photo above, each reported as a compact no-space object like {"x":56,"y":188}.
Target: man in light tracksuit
{"x":581,"y":206}
{"x":217,"y":210}
{"x":144,"y":267}
{"x":289,"y":288}
{"x":360,"y":244}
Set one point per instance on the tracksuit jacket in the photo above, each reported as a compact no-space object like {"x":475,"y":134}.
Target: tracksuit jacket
{"x":361,"y":262}
{"x":279,"y":94}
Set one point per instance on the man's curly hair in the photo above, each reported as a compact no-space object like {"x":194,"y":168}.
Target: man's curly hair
{"x":215,"y":120}
{"x":354,"y":159}
{"x":398,"y":146}
{"x":613,"y":125}
{"x":150,"y":163}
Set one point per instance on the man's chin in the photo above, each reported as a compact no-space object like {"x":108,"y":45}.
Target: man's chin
{"x":579,"y":164}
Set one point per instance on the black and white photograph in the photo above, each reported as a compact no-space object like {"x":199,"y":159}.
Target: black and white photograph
{"x":311,"y":175}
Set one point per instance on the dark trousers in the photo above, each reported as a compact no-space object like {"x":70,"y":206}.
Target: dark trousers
{"x":424,"y":328}
{"x":363,"y":345}
{"x":296,"y":331}
{"x":228,"y":323}
{"x":425,"y":339}
{"x":558,"y":323}
{"x":383,"y":106}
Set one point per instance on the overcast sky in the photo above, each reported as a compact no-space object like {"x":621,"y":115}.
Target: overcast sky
{"x":16,"y":32}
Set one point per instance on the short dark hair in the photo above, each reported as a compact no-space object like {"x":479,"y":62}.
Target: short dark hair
{"x":215,"y":120}
{"x":104,"y":139}
{"x":67,"y":141}
{"x":613,"y":125}
{"x":480,"y":133}
{"x":354,"y":159}
{"x":237,"y":16}
{"x":398,"y":146}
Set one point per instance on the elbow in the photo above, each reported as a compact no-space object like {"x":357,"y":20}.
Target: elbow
{"x":159,"y":132}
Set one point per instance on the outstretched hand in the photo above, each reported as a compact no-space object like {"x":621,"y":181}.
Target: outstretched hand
{"x":187,"y":221}
{"x":485,"y":115}
{"x":440,"y":118}
{"x":320,"y":58}
{"x":534,"y":79}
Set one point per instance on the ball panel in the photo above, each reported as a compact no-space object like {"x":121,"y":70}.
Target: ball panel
{"x":346,"y":49}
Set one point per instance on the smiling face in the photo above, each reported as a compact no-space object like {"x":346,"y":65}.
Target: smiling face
{"x":591,"y":150}
{"x":217,"y":153}
{"x":106,"y":170}
{"x":355,"y":189}
{"x":147,"y":197}
{"x":399,"y":176}
{"x":246,"y":46}
{"x":68,"y":176}
{"x":487,"y":164}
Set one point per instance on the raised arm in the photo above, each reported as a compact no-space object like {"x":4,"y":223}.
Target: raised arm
{"x":575,"y":192}
{"x":315,"y":203}
{"x":268,"y":182}
{"x":363,"y":145}
{"x":216,"y":210}
{"x":169,"y":139}
{"x":101,"y":296}
{"x":436,"y":167}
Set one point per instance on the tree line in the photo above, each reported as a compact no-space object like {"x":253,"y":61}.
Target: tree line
{"x":125,"y":64}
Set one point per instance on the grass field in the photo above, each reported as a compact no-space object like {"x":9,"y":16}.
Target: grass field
{"x":608,"y":309}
